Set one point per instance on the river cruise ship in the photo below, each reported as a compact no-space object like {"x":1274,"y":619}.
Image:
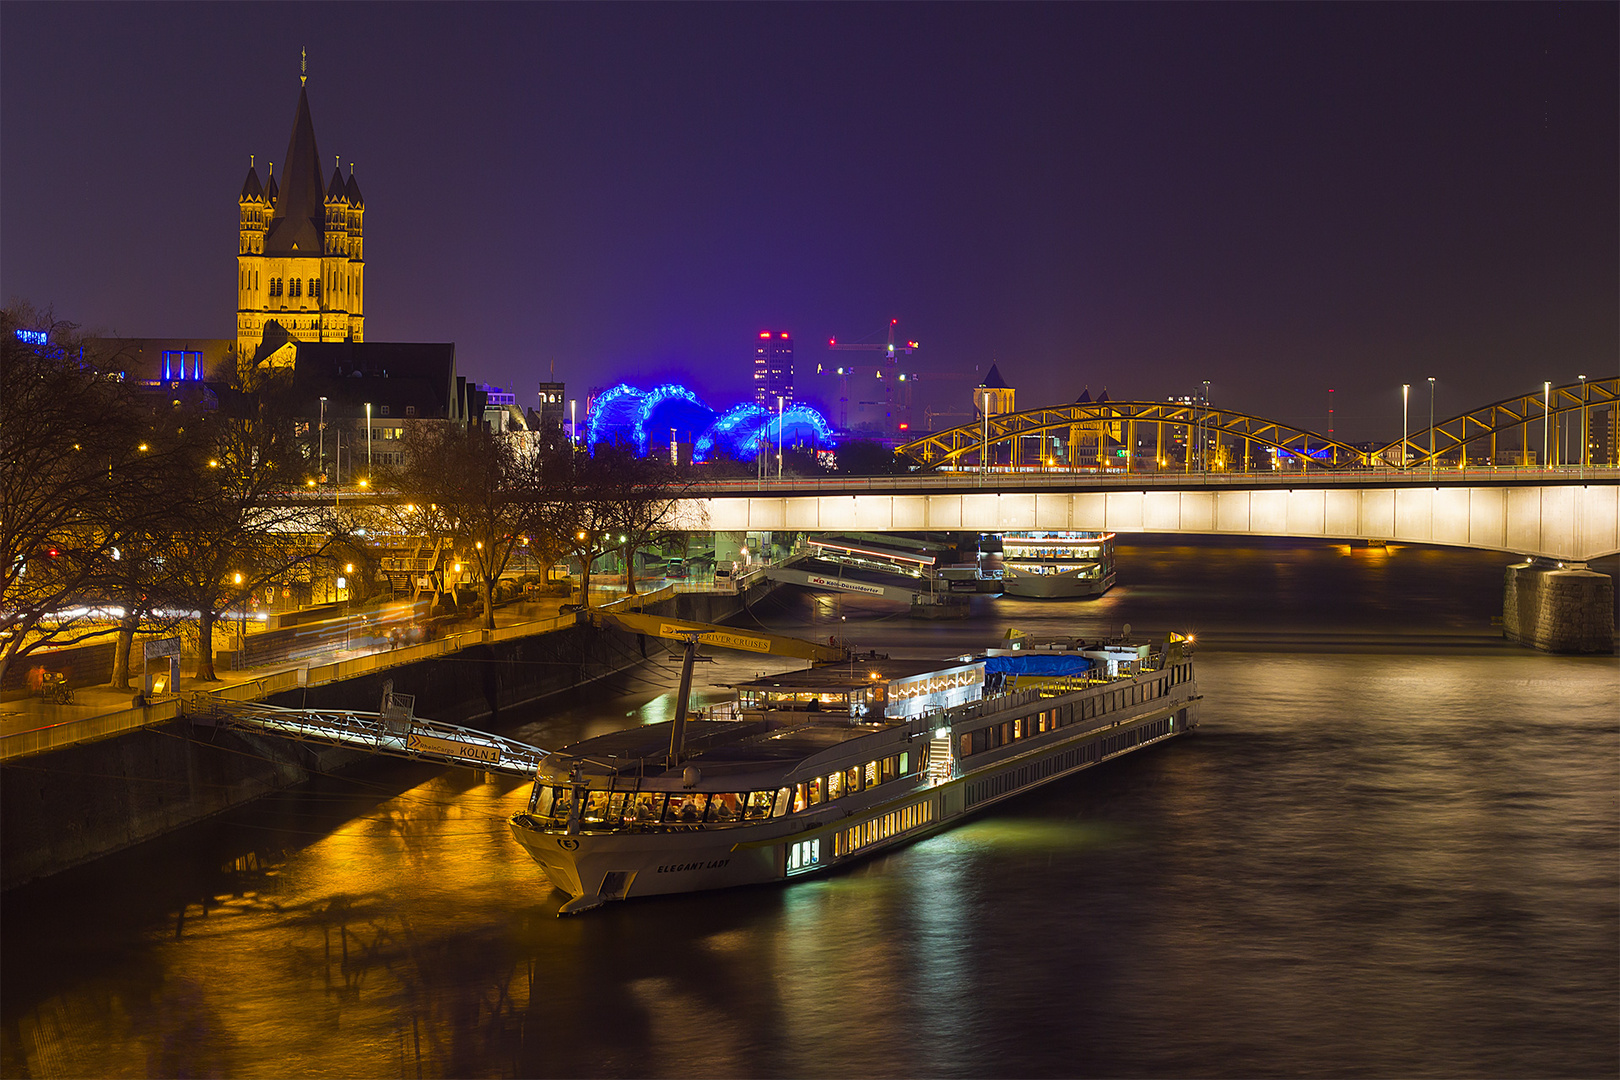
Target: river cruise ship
{"x":832,"y":763}
{"x":1055,"y":565}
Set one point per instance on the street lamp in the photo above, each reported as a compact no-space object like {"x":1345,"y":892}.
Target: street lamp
{"x":368,"y":438}
{"x":1431,"y":427}
{"x":1406,"y":392}
{"x":1586,"y":438}
{"x":779,"y":436}
{"x":320,"y":460}
{"x":984,"y":441}
{"x":1546,"y":421}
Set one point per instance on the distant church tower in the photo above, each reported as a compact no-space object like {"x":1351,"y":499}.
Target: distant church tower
{"x":300,"y":261}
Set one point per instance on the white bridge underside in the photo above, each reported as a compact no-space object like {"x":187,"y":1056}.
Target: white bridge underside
{"x":1568,"y":522}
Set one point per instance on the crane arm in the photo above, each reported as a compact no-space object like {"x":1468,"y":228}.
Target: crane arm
{"x":720,"y":637}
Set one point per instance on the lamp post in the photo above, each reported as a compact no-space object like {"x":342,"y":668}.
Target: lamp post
{"x":320,"y":460}
{"x":1546,"y":421}
{"x":1431,"y":427}
{"x":984,"y":440}
{"x":1203,"y":432}
{"x":1406,"y":393}
{"x":779,"y":436}
{"x":368,"y":439}
{"x":573,"y":421}
{"x":1586,"y":438}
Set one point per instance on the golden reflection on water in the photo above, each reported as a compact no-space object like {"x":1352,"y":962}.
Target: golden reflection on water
{"x":1379,"y":861}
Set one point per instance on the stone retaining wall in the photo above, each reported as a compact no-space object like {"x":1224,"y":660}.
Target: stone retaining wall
{"x":1562,"y":610}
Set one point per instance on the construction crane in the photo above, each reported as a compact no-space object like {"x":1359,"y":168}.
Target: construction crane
{"x":885,"y":372}
{"x":721,"y":637}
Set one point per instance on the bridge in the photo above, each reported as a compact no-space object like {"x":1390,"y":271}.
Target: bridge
{"x":1552,"y":514}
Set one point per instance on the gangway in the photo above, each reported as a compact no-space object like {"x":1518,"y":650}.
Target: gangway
{"x":394,"y":731}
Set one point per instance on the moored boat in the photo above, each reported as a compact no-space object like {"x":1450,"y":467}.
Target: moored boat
{"x":831,"y":763}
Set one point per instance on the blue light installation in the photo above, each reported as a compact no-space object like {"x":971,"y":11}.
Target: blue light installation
{"x":737,"y":427}
{"x":613,"y":415}
{"x":660,"y":395}
{"x":624,"y":414}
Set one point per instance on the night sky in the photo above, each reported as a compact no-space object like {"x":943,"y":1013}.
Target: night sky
{"x":1281,"y":199}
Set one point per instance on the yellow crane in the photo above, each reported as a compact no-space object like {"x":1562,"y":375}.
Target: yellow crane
{"x":720,"y":637}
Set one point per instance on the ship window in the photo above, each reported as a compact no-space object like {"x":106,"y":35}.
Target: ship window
{"x":649,"y":806}
{"x":783,"y":796}
{"x":725,"y":807}
{"x":759,"y":805}
{"x":799,"y":799}
{"x":852,"y":779}
{"x":616,"y":808}
{"x":686,"y":809}
{"x":871,"y":773}
{"x":542,"y":801}
{"x":814,"y":787}
{"x":596,"y":807}
{"x":835,"y":786}
{"x":905,"y":764}
{"x":889,"y":764}
{"x":562,"y":802}
{"x":967,"y":744}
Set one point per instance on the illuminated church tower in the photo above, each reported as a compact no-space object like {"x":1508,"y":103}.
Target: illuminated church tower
{"x":300,"y":257}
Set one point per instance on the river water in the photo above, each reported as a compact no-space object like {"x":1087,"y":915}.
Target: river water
{"x":1392,"y":849}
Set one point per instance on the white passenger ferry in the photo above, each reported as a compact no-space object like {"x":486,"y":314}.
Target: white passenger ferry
{"x":1057,"y":565}
{"x":832,"y":763}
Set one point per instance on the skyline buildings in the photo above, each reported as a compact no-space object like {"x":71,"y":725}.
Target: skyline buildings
{"x":773,"y":368}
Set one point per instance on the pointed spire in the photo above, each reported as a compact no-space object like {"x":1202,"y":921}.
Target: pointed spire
{"x":1085,"y":396}
{"x":993,"y":380}
{"x":1102,"y":397}
{"x":353,"y":191}
{"x":335,"y":191}
{"x":250,"y":186}
{"x":271,"y":188}
{"x":303,"y":67}
{"x":299,"y":224}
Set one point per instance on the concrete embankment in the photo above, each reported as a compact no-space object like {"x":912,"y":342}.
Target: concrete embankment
{"x":70,"y":806}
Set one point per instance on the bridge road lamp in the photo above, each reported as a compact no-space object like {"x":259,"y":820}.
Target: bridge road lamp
{"x":779,"y":436}
{"x":1431,"y":427}
{"x":1546,"y":421}
{"x":1406,"y":393}
{"x":1586,"y":439}
{"x":984,"y":437}
{"x":320,"y":460}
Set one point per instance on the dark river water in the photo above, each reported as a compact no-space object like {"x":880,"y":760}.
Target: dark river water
{"x":1392,"y":849}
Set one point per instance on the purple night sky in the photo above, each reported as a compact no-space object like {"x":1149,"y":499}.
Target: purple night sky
{"x":1278,"y":198}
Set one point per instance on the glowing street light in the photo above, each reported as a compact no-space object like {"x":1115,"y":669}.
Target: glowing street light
{"x":1406,"y":392}
{"x":1431,"y":427}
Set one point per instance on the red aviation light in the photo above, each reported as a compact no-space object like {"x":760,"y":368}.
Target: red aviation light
{"x":764,"y":333}
{"x":784,"y":334}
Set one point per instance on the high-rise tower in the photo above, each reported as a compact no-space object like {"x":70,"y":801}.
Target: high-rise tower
{"x":300,"y":262}
{"x":773,"y":368}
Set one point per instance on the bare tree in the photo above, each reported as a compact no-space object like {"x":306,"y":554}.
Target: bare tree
{"x":247,"y":523}
{"x":82,"y":465}
{"x":481,"y":489}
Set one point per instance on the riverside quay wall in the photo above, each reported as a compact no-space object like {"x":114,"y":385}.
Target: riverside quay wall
{"x":63,"y":808}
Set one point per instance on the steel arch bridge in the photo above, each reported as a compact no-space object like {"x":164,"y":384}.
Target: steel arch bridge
{"x":1101,"y":435}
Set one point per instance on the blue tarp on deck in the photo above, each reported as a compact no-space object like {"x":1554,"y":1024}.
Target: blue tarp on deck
{"x":1036,"y":664}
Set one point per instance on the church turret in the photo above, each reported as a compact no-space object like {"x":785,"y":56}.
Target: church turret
{"x":357,"y":257}
{"x":300,"y":276}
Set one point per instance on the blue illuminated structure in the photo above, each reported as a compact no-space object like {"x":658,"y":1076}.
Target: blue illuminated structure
{"x":626,"y":414}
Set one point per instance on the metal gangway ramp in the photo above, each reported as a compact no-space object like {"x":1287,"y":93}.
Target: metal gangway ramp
{"x":395,"y":731}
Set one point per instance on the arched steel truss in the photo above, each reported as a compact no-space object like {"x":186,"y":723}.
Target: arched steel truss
{"x":1194,"y":437}
{"x":1092,"y":436}
{"x":1524,"y":428}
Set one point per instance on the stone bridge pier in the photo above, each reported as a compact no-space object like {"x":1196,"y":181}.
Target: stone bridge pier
{"x":1558,"y":607}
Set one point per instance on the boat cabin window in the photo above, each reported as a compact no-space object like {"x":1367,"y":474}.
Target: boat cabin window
{"x":814,"y":786}
{"x":686,"y":809}
{"x":759,"y":806}
{"x":835,"y":785}
{"x":542,"y":801}
{"x":852,"y":779}
{"x":649,"y":806}
{"x":784,"y":799}
{"x":562,"y":802}
{"x":725,"y":807}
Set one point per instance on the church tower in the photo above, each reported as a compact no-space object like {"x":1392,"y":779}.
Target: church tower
{"x":300,"y":255}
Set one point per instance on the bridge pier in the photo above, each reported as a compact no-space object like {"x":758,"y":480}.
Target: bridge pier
{"x":1562,"y":608}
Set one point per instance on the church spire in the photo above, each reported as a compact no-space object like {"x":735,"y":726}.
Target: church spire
{"x":303,"y":67}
